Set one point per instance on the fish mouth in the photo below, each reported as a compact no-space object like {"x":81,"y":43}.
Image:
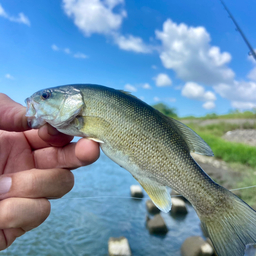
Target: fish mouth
{"x":33,"y":120}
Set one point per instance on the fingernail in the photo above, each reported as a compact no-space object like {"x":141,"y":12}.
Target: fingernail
{"x":5,"y":184}
{"x":52,"y":131}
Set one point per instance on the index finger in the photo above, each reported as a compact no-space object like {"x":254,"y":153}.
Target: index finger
{"x":12,"y":115}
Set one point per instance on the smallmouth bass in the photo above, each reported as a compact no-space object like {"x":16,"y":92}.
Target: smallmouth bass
{"x":155,"y":149}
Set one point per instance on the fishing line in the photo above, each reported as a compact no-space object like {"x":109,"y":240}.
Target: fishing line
{"x":135,"y":198}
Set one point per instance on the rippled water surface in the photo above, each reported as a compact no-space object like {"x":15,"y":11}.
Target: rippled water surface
{"x":97,"y":208}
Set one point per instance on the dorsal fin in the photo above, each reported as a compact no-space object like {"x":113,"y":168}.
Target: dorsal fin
{"x":129,"y":93}
{"x":195,"y":143}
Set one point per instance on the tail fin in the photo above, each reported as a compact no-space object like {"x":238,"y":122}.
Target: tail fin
{"x":231,"y":232}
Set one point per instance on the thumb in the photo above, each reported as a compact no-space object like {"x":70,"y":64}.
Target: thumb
{"x":12,"y":115}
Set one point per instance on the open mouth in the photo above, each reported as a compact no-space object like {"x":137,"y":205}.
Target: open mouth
{"x":33,"y":120}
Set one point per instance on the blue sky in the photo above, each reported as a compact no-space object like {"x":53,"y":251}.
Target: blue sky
{"x":184,"y":53}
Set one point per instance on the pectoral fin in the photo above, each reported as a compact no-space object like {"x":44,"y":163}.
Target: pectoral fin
{"x":158,"y":194}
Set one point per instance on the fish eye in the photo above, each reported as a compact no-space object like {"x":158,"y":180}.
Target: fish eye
{"x":45,"y":95}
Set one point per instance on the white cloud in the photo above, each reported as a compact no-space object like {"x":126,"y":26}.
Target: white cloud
{"x":131,"y":43}
{"x":67,"y":50}
{"x":194,"y":91}
{"x":243,"y":105}
{"x":130,"y":88}
{"x":163,"y":80}
{"x":146,"y":86}
{"x":154,"y":66}
{"x":252,"y":74}
{"x":20,"y":19}
{"x":239,"y":93}
{"x":80,"y":55}
{"x":156,"y":99}
{"x":8,"y":76}
{"x":209,"y":105}
{"x":55,"y":47}
{"x":188,"y":52}
{"x":95,"y":16}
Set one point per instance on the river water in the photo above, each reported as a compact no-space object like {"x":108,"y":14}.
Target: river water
{"x":99,"y":207}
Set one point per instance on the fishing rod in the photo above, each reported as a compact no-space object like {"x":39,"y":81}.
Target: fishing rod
{"x":252,"y":52}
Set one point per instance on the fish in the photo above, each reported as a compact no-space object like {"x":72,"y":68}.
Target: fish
{"x":154,"y":148}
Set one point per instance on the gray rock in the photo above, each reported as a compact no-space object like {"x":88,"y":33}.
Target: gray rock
{"x":151,"y":207}
{"x":118,"y":247}
{"x":136,"y":191}
{"x":156,"y":225}
{"x":196,"y":246}
{"x":178,"y":207}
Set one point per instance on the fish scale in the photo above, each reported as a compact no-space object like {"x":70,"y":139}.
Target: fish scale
{"x":154,"y":149}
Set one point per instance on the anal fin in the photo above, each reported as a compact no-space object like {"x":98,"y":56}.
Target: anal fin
{"x":158,"y":193}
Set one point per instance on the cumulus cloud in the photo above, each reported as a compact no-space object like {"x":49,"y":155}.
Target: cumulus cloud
{"x":156,"y":99}
{"x":209,"y":105}
{"x":130,"y":88}
{"x":188,"y":52}
{"x":8,"y":76}
{"x":195,"y":91}
{"x":242,"y":94}
{"x":21,"y":18}
{"x":146,"y":86}
{"x":104,"y":17}
{"x":163,"y":80}
{"x":131,"y":43}
{"x":95,"y":16}
{"x":252,"y":74}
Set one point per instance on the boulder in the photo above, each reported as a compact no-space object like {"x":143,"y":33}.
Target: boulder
{"x":156,"y":225}
{"x":196,"y":246}
{"x":136,"y":191}
{"x":151,"y":207}
{"x":119,"y":247}
{"x":178,"y":207}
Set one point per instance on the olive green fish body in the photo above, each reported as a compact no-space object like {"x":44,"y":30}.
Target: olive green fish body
{"x":154,"y":149}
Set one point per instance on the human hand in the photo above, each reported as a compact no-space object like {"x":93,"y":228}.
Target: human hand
{"x":34,"y":167}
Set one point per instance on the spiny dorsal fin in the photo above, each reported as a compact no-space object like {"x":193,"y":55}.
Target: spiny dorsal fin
{"x":195,"y":143}
{"x":129,"y":93}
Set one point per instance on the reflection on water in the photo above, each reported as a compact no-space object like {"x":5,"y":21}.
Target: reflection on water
{"x":82,"y":222}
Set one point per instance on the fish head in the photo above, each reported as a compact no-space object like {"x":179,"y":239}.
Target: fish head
{"x":57,"y":106}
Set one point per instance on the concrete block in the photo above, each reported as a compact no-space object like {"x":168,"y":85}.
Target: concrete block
{"x":136,"y":191}
{"x":178,"y":207}
{"x":196,"y":246}
{"x":151,"y":207}
{"x":119,"y":247}
{"x":156,"y":225}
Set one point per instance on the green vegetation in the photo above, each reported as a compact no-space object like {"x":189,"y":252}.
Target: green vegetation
{"x":231,"y":151}
{"x":171,"y":112}
{"x":219,"y":129}
{"x":233,"y":114}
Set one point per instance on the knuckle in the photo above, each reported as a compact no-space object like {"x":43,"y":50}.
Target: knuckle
{"x":7,"y":216}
